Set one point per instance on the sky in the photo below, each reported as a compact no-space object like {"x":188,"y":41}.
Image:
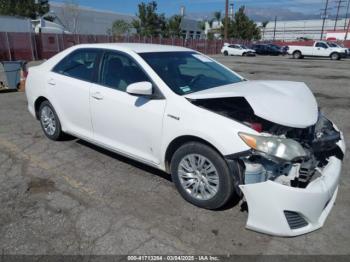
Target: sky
{"x":204,"y":7}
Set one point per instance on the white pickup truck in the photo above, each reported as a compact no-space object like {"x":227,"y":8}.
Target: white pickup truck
{"x":319,"y":49}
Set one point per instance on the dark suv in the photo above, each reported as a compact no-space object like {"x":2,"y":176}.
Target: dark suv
{"x":262,"y":49}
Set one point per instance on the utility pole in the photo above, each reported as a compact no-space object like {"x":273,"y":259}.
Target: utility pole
{"x":339,"y":6}
{"x":346,"y":14}
{"x":274,"y":30}
{"x":324,"y":17}
{"x":347,"y":31}
{"x":226,"y":20}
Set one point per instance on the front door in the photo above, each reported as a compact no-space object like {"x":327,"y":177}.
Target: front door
{"x":126,"y":123}
{"x":320,"y":49}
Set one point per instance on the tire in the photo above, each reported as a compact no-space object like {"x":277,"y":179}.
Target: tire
{"x":297,"y":55}
{"x":244,"y":54}
{"x":225,"y":53}
{"x":195,"y":186}
{"x":50,"y":122}
{"x":335,"y":56}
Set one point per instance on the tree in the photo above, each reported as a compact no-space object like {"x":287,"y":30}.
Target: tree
{"x":242,"y":27}
{"x":70,"y":15}
{"x":173,"y":26}
{"x":25,"y":8}
{"x":264,"y":25}
{"x":201,"y":25}
{"x":120,"y":27}
{"x":149,"y":23}
{"x":217,"y":16}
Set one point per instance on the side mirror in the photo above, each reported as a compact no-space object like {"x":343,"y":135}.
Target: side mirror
{"x":140,"y":88}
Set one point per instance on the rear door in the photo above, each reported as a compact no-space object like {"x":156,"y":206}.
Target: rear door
{"x":126,"y":123}
{"x":69,"y":88}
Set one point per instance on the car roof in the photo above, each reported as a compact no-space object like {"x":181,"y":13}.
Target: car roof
{"x":137,"y":47}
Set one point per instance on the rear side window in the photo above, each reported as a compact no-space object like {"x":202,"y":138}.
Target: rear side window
{"x":79,"y":64}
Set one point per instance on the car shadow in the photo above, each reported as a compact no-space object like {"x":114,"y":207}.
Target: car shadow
{"x":126,"y":160}
{"x":231,"y":204}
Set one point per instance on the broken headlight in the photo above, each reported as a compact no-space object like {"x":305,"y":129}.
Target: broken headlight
{"x":283,"y":148}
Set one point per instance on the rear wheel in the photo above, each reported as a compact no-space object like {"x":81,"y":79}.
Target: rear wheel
{"x":49,"y":121}
{"x":202,"y":176}
{"x":225,"y":53}
{"x":297,"y":55}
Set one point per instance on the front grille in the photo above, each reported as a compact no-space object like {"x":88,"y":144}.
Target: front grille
{"x":295,"y":220}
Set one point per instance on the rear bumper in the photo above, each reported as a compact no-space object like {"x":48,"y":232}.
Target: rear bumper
{"x":268,"y":201}
{"x":31,"y":110}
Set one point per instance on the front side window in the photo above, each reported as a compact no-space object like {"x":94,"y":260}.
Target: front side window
{"x":189,"y":72}
{"x":79,"y":64}
{"x":333,"y":44}
{"x":118,"y":71}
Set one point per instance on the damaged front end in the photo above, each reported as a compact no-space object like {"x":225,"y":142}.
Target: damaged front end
{"x":290,"y":176}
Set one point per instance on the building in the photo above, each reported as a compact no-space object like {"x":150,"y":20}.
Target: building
{"x":15,"y":24}
{"x":338,"y":35}
{"x":84,"y":20}
{"x":190,"y":29}
{"x":300,"y":29}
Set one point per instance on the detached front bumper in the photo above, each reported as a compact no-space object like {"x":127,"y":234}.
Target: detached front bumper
{"x":281,"y":210}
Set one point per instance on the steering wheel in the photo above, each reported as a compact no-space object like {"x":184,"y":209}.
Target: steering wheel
{"x":195,"y":79}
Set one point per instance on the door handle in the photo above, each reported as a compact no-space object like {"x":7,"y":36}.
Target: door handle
{"x":51,"y":82}
{"x":97,"y":96}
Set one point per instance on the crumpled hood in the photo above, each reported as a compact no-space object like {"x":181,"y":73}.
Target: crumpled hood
{"x":282,"y":102}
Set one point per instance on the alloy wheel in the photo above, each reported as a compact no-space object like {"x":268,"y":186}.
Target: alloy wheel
{"x":198,"y":176}
{"x":48,"y":120}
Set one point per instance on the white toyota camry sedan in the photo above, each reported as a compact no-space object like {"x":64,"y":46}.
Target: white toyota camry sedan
{"x":219,"y":135}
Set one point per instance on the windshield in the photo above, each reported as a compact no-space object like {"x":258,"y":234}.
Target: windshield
{"x":189,"y":72}
{"x":332,"y":44}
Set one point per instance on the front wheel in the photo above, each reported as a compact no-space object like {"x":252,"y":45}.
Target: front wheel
{"x":49,"y":121}
{"x":202,"y":176}
{"x":335,"y":56}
